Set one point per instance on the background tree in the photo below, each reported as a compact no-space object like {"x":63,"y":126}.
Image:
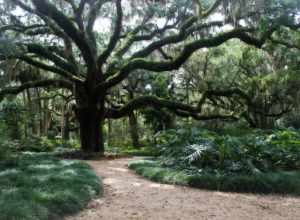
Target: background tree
{"x":62,"y":39}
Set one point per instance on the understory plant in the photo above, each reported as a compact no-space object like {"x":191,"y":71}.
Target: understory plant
{"x":41,"y":187}
{"x":198,"y":151}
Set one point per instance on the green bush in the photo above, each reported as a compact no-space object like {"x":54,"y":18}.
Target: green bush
{"x":262,"y":162}
{"x":38,"y":144}
{"x":287,"y":182}
{"x":40,"y":187}
{"x":279,"y":182}
{"x":208,"y":152}
{"x":152,"y":170}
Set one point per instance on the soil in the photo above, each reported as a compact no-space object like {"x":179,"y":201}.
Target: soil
{"x":129,"y":196}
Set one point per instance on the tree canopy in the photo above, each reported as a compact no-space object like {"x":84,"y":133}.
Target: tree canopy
{"x":91,"y":47}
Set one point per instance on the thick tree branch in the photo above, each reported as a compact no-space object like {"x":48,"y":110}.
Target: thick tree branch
{"x":187,"y":51}
{"x":207,"y":117}
{"x":49,"y":10}
{"x":91,"y":18}
{"x":150,"y":101}
{"x":31,"y":30}
{"x":115,"y":36}
{"x":183,"y":34}
{"x":53,"y":27}
{"x":55,"y":83}
{"x":155,"y":102}
{"x":46,"y":67}
{"x":47,"y":54}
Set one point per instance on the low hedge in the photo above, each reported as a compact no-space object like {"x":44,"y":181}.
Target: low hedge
{"x":41,"y":187}
{"x":285,"y":182}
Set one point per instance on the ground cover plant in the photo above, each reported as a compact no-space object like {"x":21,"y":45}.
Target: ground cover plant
{"x":205,"y":89}
{"x":265,"y":162}
{"x":39,"y":187}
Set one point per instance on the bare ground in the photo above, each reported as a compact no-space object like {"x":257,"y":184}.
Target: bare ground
{"x":128,"y":196}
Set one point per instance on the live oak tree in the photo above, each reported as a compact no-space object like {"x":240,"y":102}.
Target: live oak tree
{"x":268,"y":80}
{"x":67,"y":40}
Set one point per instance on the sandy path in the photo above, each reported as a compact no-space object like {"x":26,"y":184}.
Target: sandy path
{"x":128,"y":196}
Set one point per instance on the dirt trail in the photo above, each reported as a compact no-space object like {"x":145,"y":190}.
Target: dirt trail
{"x":128,"y":196}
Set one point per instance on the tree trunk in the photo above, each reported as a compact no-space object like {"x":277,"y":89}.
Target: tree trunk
{"x":134,"y":130}
{"x":46,"y":117}
{"x":66,"y":127}
{"x":39,"y":122}
{"x":91,"y":129}
{"x":90,"y":115}
{"x":62,"y":121}
{"x":25,"y":123}
{"x":31,"y":112}
{"x":109,"y":132}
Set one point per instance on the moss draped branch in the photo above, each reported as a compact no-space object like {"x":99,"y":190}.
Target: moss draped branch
{"x":178,"y":108}
{"x":49,"y":10}
{"x":187,"y":51}
{"x":55,"y":83}
{"x":115,"y":36}
{"x":91,"y":18}
{"x":53,"y":69}
{"x":47,"y":54}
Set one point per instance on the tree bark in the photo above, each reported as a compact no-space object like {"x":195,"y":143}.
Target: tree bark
{"x":40,"y":112}
{"x":66,"y":127}
{"x":46,"y":117}
{"x":109,"y":132}
{"x":134,"y":130}
{"x":91,"y":129}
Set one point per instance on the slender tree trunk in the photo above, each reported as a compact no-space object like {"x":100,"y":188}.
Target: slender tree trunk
{"x":134,"y":130}
{"x":39,"y":123}
{"x":25,"y":123}
{"x":62,"y":121}
{"x":46,"y":117}
{"x":109,"y":132}
{"x":31,"y":110}
{"x":66,"y":127}
{"x":133,"y":126}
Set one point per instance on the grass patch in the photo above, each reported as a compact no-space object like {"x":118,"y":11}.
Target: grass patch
{"x":40,"y":187}
{"x":281,"y":182}
{"x":151,"y":170}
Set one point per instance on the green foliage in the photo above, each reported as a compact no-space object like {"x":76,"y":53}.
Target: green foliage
{"x":159,"y":118}
{"x":12,"y":118}
{"x":258,"y":162}
{"x":4,"y":153}
{"x":273,"y":182}
{"x":207,"y":152}
{"x":38,"y":144}
{"x":41,"y":187}
{"x":278,"y":182}
{"x":292,"y":120}
{"x":151,"y":170}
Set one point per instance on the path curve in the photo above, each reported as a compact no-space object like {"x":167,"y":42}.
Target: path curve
{"x":130,"y":197}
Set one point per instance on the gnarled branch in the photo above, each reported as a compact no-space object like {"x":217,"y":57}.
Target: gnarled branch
{"x":14,"y":90}
{"x":115,"y":36}
{"x":49,"y":10}
{"x":187,"y":51}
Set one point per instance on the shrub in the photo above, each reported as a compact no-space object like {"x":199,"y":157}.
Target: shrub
{"x":273,"y":182}
{"x":205,"y":151}
{"x":40,"y":187}
{"x":262,"y":162}
{"x":38,"y":144}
